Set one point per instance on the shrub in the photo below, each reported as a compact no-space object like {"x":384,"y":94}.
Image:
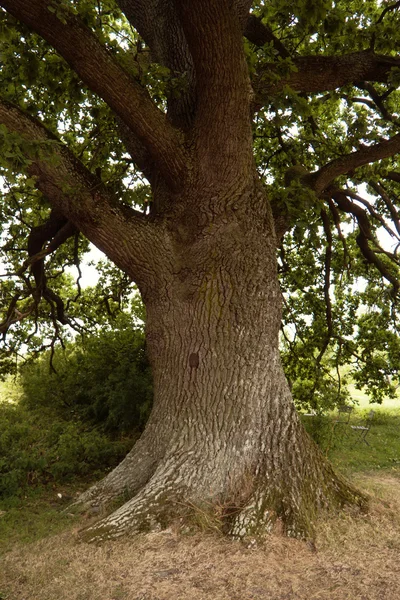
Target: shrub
{"x":36,"y":448}
{"x":104,"y":380}
{"x":81,"y":420}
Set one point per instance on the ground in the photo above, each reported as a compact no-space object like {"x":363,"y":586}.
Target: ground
{"x":355,"y":557}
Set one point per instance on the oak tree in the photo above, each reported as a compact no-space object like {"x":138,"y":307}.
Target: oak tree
{"x":207,"y":148}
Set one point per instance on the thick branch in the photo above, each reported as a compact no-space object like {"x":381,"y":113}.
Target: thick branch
{"x":312,"y":74}
{"x":223,"y":92}
{"x":393,"y":176}
{"x":159,"y":26}
{"x":372,"y":211}
{"x":320,"y":180}
{"x":127,"y":237}
{"x":102,"y":74}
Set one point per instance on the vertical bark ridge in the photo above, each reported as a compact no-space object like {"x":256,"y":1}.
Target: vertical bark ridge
{"x":230,"y":435}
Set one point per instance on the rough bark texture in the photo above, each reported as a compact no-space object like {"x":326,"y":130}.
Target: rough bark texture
{"x":224,"y":431}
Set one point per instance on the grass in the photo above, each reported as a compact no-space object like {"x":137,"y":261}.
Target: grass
{"x":383,"y":451}
{"x":26,"y":519}
{"x":340,"y":442}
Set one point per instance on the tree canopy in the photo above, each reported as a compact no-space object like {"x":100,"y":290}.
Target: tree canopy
{"x":83,"y":84}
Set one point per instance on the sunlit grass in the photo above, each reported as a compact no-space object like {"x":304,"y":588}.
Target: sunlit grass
{"x":10,"y":390}
{"x":364,"y":402}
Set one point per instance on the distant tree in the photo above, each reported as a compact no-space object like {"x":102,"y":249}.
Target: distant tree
{"x":231,"y":124}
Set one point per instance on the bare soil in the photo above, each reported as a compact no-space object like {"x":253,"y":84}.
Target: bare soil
{"x":355,"y":557}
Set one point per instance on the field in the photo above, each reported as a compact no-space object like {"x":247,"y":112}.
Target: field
{"x":354,"y":556}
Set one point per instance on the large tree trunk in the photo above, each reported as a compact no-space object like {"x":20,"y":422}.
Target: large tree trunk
{"x":224,"y":431}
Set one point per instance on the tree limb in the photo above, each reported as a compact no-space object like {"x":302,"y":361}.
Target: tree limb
{"x":365,"y":235}
{"x":223,"y":92}
{"x":158,"y":24}
{"x":393,"y":176}
{"x":327,"y":283}
{"x":393,"y":211}
{"x":378,"y":102}
{"x":260,"y":34}
{"x":372,"y":212}
{"x":319,"y":180}
{"x":313,"y":74}
{"x":102,"y":74}
{"x":85,"y":201}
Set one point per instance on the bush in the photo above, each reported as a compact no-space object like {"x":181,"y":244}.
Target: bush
{"x":81,"y":420}
{"x":104,"y":380}
{"x":36,"y":448}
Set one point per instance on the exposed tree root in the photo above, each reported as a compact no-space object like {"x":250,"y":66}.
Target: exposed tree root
{"x":250,"y":508}
{"x":295,"y":508}
{"x":151,"y":508}
{"x":126,"y":479}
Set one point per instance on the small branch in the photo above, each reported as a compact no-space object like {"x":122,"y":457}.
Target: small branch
{"x":394,"y":213}
{"x":14,"y":315}
{"x":327,"y":282}
{"x":336,"y":220}
{"x":365,"y":235}
{"x":321,"y":179}
{"x":378,"y":102}
{"x":387,"y":9}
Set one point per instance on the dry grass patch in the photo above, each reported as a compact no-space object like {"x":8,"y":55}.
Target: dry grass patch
{"x":356,"y":558}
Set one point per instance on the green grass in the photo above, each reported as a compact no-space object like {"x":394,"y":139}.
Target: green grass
{"x":340,"y":442}
{"x":10,"y":391}
{"x":31,"y":518}
{"x":383,"y":451}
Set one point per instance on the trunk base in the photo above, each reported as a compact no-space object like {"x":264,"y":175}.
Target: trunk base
{"x":252,"y":506}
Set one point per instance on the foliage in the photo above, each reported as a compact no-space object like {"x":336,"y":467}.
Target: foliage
{"x":36,"y":448}
{"x":103,"y":380}
{"x":79,"y":420}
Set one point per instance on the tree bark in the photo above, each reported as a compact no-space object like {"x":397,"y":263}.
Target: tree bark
{"x":224,"y":433}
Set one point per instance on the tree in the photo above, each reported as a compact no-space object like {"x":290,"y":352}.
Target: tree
{"x":246,"y":121}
